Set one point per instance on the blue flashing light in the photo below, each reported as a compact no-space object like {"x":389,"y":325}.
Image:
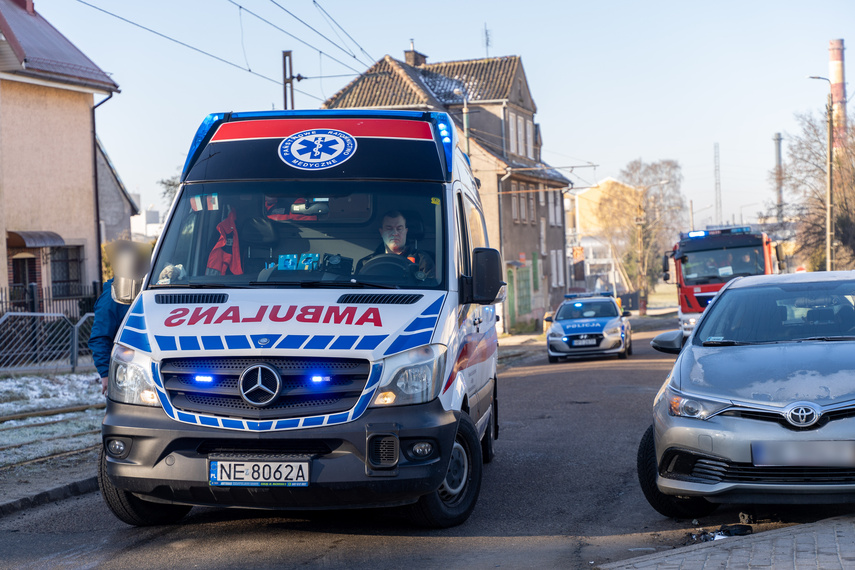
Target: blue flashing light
{"x":446,"y":140}
{"x":201,"y":133}
{"x":577,"y":304}
{"x":448,"y":136}
{"x":320,"y":379}
{"x":697,"y":233}
{"x":200,"y":378}
{"x":328,"y":113}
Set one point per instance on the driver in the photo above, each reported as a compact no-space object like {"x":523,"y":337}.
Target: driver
{"x":393,"y":231}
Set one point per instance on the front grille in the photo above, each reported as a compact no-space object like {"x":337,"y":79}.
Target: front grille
{"x":587,"y":336}
{"x":342,"y":384}
{"x":190,"y":298}
{"x":379,"y":298}
{"x":383,"y":451}
{"x":689,"y":466}
{"x":267,"y":447}
{"x":779,"y":419}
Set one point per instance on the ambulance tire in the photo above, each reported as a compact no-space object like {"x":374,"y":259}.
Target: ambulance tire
{"x":133,"y":510}
{"x":454,"y":501}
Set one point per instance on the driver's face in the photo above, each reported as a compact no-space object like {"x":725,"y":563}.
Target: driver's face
{"x":394,"y":234}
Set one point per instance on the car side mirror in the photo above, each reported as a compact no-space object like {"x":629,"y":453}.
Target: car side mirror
{"x":487,"y":287}
{"x":782,"y":260}
{"x":670,"y":342}
{"x":626,"y":314}
{"x":547,"y":319}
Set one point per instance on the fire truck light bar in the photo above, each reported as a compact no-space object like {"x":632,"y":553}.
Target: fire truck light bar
{"x":717,"y":232}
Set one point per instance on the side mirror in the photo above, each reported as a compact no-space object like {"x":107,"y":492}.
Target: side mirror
{"x":130,"y":262}
{"x":666,"y":267}
{"x":779,"y":253}
{"x":547,"y":319}
{"x":626,"y":314}
{"x":666,"y":277}
{"x":487,"y":285}
{"x":670,"y":342}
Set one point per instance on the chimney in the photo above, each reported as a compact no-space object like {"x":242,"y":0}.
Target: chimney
{"x":27,"y":5}
{"x":414,"y":58}
{"x":838,"y":90}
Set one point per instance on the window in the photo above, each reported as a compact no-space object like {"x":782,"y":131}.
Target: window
{"x":523,"y":214}
{"x":532,"y":216}
{"x":521,"y":135}
{"x":553,"y":269}
{"x":543,"y":236}
{"x":559,"y":267}
{"x":512,"y":132}
{"x":477,"y":230}
{"x":535,"y":271}
{"x":66,"y":268}
{"x":550,"y":207}
{"x":541,"y":195}
{"x":515,"y":214}
{"x":529,"y":139}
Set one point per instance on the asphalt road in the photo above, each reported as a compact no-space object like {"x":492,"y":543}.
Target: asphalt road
{"x":561,"y":493}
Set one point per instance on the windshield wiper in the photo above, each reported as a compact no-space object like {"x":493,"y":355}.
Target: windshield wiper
{"x":197,"y":286}
{"x":353,"y":283}
{"x":725,"y":342}
{"x":826,"y":338}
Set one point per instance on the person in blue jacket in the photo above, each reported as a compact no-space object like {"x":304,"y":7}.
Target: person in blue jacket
{"x":108,"y":316}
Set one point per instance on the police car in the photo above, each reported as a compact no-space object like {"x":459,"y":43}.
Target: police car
{"x":588,"y":324}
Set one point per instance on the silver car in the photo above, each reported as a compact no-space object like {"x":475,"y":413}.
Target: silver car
{"x":760,"y":405}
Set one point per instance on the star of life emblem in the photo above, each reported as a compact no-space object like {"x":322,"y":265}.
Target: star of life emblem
{"x":317,"y":149}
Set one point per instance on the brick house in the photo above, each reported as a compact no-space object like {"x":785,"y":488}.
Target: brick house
{"x":522,"y":195}
{"x":47,"y":155}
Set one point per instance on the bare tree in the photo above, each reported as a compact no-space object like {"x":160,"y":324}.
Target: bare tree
{"x":169,"y":187}
{"x":645,"y":222}
{"x":805,"y":182}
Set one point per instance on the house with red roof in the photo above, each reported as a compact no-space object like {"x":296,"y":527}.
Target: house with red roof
{"x":48,"y":155}
{"x":522,"y":195}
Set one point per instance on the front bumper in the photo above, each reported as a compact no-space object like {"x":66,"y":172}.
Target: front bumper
{"x":556,"y":346}
{"x":167,"y":461}
{"x":713,"y":459}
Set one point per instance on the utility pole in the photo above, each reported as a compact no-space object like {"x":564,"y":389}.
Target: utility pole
{"x":718,"y":213}
{"x":779,"y":177}
{"x":288,"y":79}
{"x":829,"y":220}
{"x":641,"y":273}
{"x":691,"y":216}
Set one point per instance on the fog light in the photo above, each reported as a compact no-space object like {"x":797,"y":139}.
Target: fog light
{"x":116,"y":447}
{"x":422,"y":449}
{"x":148,"y":397}
{"x":385,"y":398}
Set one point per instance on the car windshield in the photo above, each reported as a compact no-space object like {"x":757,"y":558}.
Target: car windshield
{"x":304,"y":234}
{"x":719,"y":265}
{"x":785,"y":312}
{"x":586,"y":310}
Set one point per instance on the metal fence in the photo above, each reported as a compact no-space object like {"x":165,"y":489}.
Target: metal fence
{"x":31,"y":341}
{"x":72,"y":300}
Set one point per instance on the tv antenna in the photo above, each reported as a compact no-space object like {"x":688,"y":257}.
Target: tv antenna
{"x":486,"y":40}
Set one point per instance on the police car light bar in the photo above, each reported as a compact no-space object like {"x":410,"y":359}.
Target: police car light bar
{"x":583,"y":295}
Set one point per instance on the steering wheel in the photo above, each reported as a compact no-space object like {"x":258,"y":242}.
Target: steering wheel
{"x":387,"y":264}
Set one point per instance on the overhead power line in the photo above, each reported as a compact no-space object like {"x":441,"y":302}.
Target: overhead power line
{"x":344,"y":49}
{"x":289,"y":34}
{"x":327,"y":14}
{"x":194,"y":48}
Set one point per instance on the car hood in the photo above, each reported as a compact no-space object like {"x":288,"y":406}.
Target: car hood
{"x":775,"y":374}
{"x":579,"y":326}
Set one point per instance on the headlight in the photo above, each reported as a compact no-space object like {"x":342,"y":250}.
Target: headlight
{"x":130,"y":378}
{"x":412,"y":377}
{"x":612,"y":331}
{"x":690,"y":406}
{"x":556,"y":330}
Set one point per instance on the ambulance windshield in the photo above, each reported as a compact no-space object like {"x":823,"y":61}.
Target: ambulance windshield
{"x":305,"y":234}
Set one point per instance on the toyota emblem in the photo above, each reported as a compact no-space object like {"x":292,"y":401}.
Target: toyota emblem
{"x":802,"y":415}
{"x":259,"y":385}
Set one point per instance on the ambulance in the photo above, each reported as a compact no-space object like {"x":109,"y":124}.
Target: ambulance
{"x":317,"y":329}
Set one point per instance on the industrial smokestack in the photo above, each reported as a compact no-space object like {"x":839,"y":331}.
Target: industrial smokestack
{"x":838,"y":90}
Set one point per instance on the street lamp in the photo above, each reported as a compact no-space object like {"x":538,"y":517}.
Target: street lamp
{"x":642,"y":261}
{"x":463,"y":93}
{"x":829,"y":227}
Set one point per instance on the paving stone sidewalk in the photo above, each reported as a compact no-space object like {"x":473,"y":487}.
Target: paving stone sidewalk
{"x":824,"y":545}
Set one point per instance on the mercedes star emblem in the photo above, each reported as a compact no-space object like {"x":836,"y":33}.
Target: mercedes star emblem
{"x":259,"y":385}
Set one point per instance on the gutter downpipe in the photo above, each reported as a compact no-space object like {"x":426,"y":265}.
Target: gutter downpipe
{"x":100,"y":270}
{"x":501,"y":183}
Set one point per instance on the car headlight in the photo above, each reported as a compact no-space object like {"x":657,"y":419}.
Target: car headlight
{"x":691,"y":406}
{"x":556,"y":331}
{"x":130,"y":378}
{"x":411,"y":377}
{"x":612,"y":331}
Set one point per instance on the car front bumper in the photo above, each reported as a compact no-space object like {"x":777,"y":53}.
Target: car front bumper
{"x":713,"y":459}
{"x":168,"y":461}
{"x":556,"y":346}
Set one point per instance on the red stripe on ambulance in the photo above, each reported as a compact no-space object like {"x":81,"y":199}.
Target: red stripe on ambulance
{"x":282,"y":128}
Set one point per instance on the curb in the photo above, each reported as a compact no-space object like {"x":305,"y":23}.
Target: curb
{"x":730,"y":542}
{"x":72,"y":489}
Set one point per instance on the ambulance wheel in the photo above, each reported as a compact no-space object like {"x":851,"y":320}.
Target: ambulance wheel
{"x":454,"y":501}
{"x":133,"y":510}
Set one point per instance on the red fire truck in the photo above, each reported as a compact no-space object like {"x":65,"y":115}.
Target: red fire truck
{"x":705,"y":260}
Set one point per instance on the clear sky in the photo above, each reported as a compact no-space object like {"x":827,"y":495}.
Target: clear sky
{"x":613,"y":80}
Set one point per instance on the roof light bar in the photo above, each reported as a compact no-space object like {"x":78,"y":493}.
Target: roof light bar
{"x":201,"y":133}
{"x":448,"y":137}
{"x":591,"y":294}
